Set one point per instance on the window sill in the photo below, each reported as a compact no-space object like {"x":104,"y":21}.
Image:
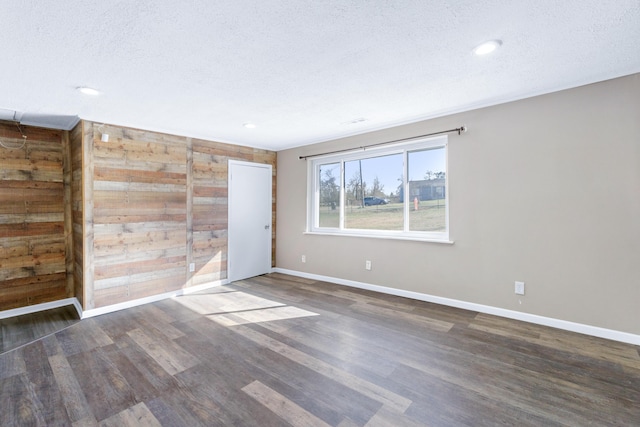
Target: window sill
{"x":385,"y":237}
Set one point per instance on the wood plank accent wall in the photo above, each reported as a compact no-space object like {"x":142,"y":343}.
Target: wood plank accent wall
{"x":67,"y":177}
{"x":77,"y":227}
{"x":32,"y":218}
{"x":210,"y":204}
{"x":139,"y":215}
{"x":153,"y":204}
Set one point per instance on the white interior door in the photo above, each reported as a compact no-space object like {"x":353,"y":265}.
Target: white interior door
{"x":249,"y":219}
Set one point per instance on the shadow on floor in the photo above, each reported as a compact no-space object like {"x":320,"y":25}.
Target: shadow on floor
{"x":20,"y":330}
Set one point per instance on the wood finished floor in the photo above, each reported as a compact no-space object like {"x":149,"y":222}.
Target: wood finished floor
{"x":20,"y":330}
{"x":277,"y":351}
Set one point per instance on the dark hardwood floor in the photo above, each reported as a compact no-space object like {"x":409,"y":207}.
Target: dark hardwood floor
{"x":277,"y":350}
{"x":20,"y":330}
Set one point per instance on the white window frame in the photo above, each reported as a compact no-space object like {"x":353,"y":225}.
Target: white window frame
{"x":313,"y":191}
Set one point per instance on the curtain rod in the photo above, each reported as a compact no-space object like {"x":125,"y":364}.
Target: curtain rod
{"x":364,"y":147}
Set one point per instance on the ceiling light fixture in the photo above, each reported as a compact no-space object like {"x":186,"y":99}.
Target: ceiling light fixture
{"x":88,"y":91}
{"x":249,"y":125}
{"x":487,"y":47}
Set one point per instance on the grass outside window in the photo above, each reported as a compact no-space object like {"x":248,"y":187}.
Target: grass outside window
{"x":400,"y":191}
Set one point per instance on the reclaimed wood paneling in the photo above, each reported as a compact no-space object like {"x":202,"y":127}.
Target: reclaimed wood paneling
{"x":109,"y":222}
{"x":77,"y":218}
{"x":189,"y":210}
{"x":210,"y":204}
{"x":139,"y":216}
{"x":33,"y":246}
{"x":151,"y":205}
{"x":87,"y":151}
{"x":67,"y":178}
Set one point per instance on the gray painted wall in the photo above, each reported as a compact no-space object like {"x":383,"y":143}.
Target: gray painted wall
{"x":545,"y":190}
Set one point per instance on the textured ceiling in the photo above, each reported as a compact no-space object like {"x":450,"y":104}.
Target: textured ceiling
{"x":302,"y":70}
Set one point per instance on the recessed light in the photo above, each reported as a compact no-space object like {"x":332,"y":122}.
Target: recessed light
{"x":249,"y":125}
{"x":487,"y":47}
{"x":88,"y":91}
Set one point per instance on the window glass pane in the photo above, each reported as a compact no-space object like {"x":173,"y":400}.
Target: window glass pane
{"x":329,"y":209}
{"x":363,"y":193}
{"x":372,"y":200}
{"x":427,"y":183}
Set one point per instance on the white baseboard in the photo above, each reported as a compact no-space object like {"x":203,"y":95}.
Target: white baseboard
{"x":41,"y":307}
{"x":84,"y":314}
{"x":496,"y":311}
{"x":78,"y":306}
{"x":153,"y":298}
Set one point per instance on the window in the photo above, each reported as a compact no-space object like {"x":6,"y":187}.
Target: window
{"x":395,"y":191}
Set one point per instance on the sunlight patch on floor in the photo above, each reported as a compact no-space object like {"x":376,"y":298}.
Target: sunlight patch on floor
{"x":260,"y":315}
{"x":225,"y":302}
{"x":239,"y":308}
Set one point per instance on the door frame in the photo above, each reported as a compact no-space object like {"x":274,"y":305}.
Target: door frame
{"x":230,"y":196}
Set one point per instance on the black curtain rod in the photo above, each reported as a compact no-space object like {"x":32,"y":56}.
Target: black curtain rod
{"x":364,"y":147}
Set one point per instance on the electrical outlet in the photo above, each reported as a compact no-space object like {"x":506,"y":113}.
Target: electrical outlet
{"x":367,"y":265}
{"x":520,"y":288}
{"x":304,"y":258}
{"x":192,"y":267}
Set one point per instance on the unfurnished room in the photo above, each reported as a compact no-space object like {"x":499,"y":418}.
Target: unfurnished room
{"x":303,"y":213}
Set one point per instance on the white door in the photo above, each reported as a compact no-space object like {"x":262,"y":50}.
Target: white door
{"x":249,"y":219}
